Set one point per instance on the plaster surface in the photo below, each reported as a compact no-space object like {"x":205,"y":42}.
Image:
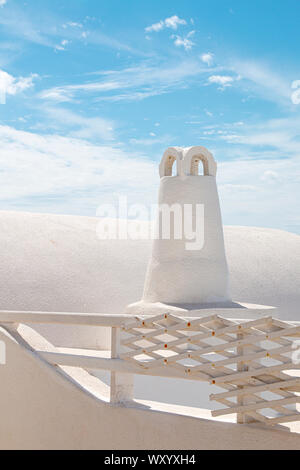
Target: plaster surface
{"x":42,"y":408}
{"x":57,"y":263}
{"x":178,"y":275}
{"x":182,"y":270}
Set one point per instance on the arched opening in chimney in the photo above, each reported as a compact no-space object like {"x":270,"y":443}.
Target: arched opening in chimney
{"x":199,"y":166}
{"x":171,"y":166}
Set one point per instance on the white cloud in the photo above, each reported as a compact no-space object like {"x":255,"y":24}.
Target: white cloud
{"x":2,"y":3}
{"x":10,"y":85}
{"x":76,"y":125}
{"x":184,"y":41}
{"x":62,"y":46}
{"x":269,"y":175}
{"x":223,"y":80}
{"x":259,"y":171}
{"x":260,"y":192}
{"x":50,"y":173}
{"x":207,"y":58}
{"x":155,"y":27}
{"x":295,"y":97}
{"x":172,"y":22}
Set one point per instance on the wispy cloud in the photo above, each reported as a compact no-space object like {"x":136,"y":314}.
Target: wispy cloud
{"x":76,"y":125}
{"x":99,"y":38}
{"x":261,"y":192}
{"x":72,"y":24}
{"x":43,"y":29}
{"x":2,"y":3}
{"x":277,"y":137}
{"x":62,"y":46}
{"x":265,"y":82}
{"x":153,"y":78}
{"x":154,"y":140}
{"x":172,"y":22}
{"x":132,"y":95}
{"x":259,"y":171}
{"x":18,"y":24}
{"x":50,"y":173}
{"x":132,"y":83}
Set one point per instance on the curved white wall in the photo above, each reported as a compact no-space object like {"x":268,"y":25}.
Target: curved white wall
{"x":40,"y":409}
{"x":56,"y":263}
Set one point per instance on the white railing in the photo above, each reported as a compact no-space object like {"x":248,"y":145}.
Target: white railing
{"x":251,"y":361}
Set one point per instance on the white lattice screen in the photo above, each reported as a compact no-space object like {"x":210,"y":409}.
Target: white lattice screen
{"x":250,"y":360}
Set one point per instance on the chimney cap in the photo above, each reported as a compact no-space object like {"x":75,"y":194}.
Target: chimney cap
{"x":187,"y":160}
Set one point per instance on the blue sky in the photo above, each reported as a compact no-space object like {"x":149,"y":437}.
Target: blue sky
{"x":92,"y":92}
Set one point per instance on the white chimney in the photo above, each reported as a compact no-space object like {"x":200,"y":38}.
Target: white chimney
{"x":183,"y":274}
